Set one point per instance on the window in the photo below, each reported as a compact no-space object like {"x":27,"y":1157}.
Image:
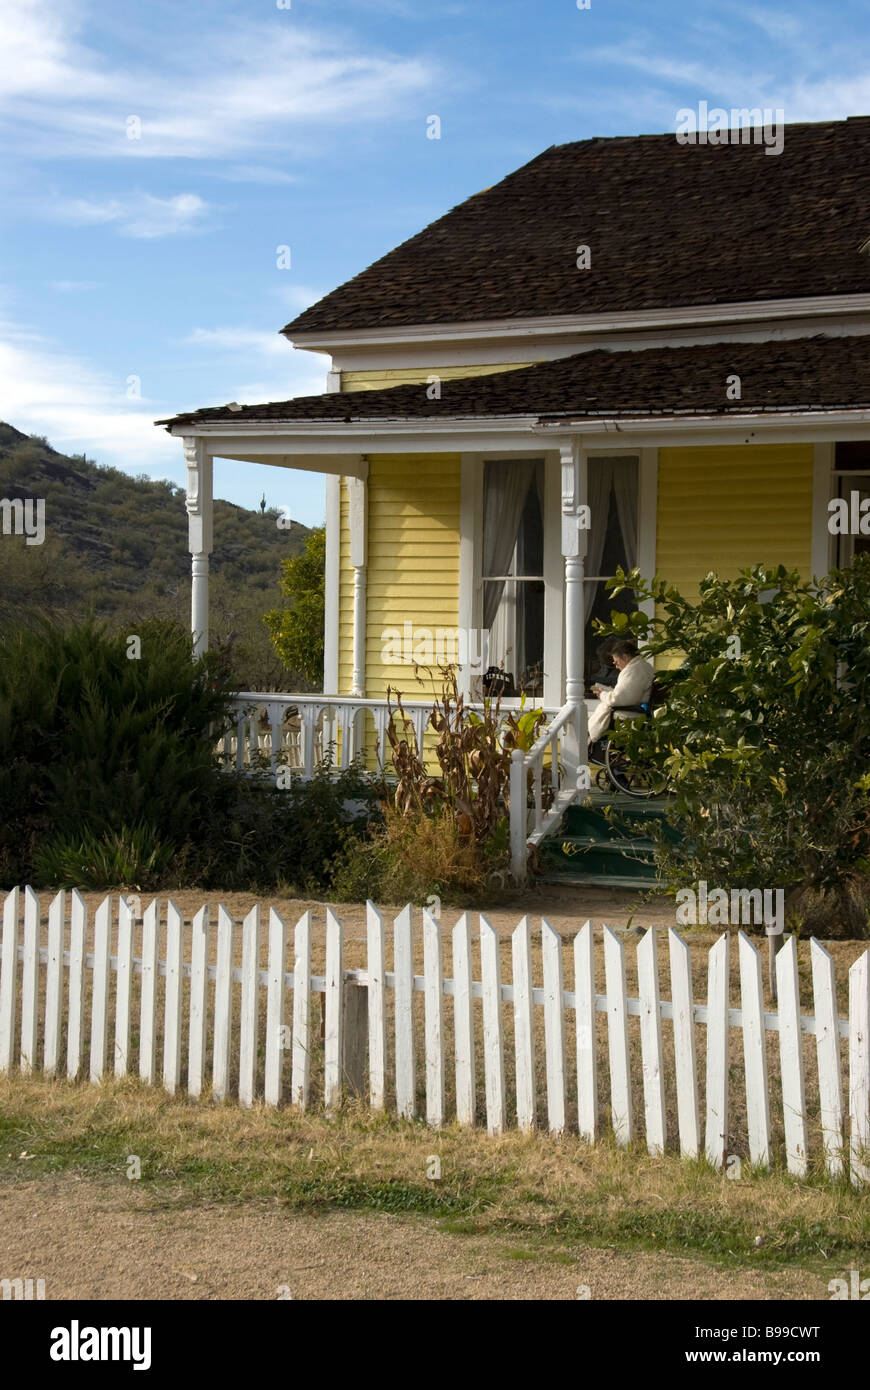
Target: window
{"x":612,"y":495}
{"x":513,"y":571}
{"x":851,"y":474}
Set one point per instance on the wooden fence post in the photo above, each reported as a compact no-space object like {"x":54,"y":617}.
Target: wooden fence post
{"x":355,"y":1032}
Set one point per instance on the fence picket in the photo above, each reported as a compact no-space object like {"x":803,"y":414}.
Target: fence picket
{"x":828,"y":1056}
{"x":718,"y":988}
{"x":78,"y":921}
{"x":275,"y":1008}
{"x":651,"y":1042}
{"x":249,"y":1007}
{"x":463,"y":1022}
{"x":54,"y":983}
{"x":685,"y":1057}
{"x":300,"y":1075}
{"x":100,"y":990}
{"x":30,"y":982}
{"x":123,"y":981}
{"x":433,"y":974}
{"x":791,"y":1058}
{"x":859,"y":1070}
{"x":198,"y":983}
{"x":403,"y":966}
{"x":334,"y":1024}
{"x":172,"y":999}
{"x":524,"y":1030}
{"x":554,"y":1027}
{"x":148,"y":992}
{"x":617,"y":1038}
{"x":754,"y":1052}
{"x":376,"y":969}
{"x":9,"y":979}
{"x":223,"y":1007}
{"x":584,"y":1017}
{"x":493,"y":1040}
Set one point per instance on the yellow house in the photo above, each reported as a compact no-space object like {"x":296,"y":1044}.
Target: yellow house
{"x":630,"y":351}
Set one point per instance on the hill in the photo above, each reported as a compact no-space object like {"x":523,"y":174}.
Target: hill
{"x":116,"y":546}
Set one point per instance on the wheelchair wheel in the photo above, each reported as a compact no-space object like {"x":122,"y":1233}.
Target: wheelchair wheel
{"x":632,"y":779}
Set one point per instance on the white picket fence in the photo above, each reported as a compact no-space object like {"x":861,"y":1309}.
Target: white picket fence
{"x":44,"y":1001}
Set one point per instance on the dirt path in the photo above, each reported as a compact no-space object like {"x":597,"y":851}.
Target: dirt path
{"x":89,"y":1241}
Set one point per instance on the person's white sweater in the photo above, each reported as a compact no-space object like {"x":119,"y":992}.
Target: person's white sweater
{"x":632,"y":688}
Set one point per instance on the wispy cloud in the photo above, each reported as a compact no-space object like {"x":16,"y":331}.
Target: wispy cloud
{"x":240,"y":340}
{"x":48,"y":390}
{"x":73,"y":286}
{"x":140,"y":215}
{"x":252,"y":86}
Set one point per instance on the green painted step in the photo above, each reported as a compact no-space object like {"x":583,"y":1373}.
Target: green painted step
{"x":581,"y":855}
{"x":588,"y":848}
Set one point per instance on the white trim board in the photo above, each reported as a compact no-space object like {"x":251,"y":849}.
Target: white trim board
{"x":507,"y":352}
{"x":741,"y":311}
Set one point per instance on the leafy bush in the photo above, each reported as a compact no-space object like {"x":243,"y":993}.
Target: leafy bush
{"x":766,"y":730}
{"x":93,"y":741}
{"x":297,"y":631}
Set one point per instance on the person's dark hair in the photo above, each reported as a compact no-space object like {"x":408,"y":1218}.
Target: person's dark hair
{"x":623,"y":647}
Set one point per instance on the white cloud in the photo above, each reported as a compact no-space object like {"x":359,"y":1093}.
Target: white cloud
{"x":77,"y":407}
{"x":73,"y":286}
{"x":140,"y":215}
{"x":255,"y":173}
{"x":298,"y":297}
{"x":241,"y":340}
{"x":295,"y":372}
{"x":251,"y":87}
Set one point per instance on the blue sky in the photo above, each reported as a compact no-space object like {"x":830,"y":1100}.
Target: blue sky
{"x":155,"y":258}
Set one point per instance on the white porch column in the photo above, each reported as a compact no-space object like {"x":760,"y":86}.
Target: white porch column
{"x":574,"y":540}
{"x":199,"y":528}
{"x":357,"y":511}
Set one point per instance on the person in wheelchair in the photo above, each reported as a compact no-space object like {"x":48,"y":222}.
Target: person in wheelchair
{"x":632,"y":689}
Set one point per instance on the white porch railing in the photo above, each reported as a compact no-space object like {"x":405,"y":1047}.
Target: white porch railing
{"x":564,"y":738}
{"x":294,"y":731}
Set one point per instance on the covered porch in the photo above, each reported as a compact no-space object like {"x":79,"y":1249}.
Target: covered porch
{"x":409,"y":546}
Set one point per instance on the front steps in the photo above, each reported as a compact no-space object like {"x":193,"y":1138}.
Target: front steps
{"x":588,"y":849}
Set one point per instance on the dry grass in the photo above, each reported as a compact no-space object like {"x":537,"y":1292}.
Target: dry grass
{"x":550,"y":1190}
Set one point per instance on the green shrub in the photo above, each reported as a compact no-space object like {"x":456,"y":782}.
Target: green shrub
{"x":765,"y":732}
{"x":262,"y":838}
{"x":132,"y":857}
{"x":94,"y":742}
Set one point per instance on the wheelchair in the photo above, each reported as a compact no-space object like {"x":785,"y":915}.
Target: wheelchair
{"x":617,"y":772}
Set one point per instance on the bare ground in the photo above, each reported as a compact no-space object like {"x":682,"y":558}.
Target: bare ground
{"x":95,"y":1241}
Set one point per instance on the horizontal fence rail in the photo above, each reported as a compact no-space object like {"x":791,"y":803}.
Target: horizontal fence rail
{"x":67,"y":988}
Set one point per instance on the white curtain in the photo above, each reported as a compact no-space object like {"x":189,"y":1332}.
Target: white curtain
{"x":505,"y":489}
{"x":600,"y":477}
{"x":625,"y":488}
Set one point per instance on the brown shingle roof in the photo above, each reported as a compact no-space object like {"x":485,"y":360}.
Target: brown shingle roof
{"x":798,"y":374}
{"x":667,"y":225}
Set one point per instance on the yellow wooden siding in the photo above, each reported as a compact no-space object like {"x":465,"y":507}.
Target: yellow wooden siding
{"x":413,"y":557}
{"x":412,"y":573}
{"x":373,"y":380}
{"x":724,"y":508}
